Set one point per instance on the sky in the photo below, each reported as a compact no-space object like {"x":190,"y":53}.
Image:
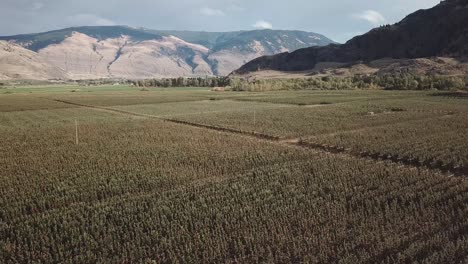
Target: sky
{"x":339,"y":20}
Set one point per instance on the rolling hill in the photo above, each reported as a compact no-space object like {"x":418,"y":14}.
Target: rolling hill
{"x":126,"y":52}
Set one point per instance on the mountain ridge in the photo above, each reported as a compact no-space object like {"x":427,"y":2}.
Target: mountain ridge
{"x":438,"y":31}
{"x":81,"y":51}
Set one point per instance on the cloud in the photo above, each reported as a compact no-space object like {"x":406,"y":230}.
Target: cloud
{"x":262,"y":24}
{"x":37,"y":5}
{"x":206,"y":11}
{"x":371,"y":16}
{"x":89,"y":20}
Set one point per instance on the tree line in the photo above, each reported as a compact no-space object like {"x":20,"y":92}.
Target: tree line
{"x":403,"y":81}
{"x":387,"y":82}
{"x":184,"y":82}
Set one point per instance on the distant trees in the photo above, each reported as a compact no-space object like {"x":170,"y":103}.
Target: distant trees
{"x":387,"y":82}
{"x":184,"y":82}
{"x":401,"y":81}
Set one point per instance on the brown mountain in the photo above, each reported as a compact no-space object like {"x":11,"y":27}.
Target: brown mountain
{"x":441,"y":31}
{"x":17,"y":62}
{"x":126,"y":52}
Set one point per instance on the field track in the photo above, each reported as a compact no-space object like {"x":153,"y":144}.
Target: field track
{"x":435,"y":165}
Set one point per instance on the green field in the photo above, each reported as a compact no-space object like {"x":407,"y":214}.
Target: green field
{"x":139,"y":187}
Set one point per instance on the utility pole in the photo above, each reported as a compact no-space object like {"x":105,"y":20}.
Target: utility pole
{"x":76,"y":132}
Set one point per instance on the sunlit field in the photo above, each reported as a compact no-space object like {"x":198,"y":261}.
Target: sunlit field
{"x":187,"y":175}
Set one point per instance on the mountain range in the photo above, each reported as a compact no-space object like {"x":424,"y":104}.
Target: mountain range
{"x":135,"y":53}
{"x":432,"y":41}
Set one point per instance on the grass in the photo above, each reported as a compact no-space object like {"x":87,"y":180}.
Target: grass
{"x":141,"y":189}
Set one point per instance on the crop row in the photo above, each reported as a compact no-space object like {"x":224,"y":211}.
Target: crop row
{"x":317,"y":210}
{"x":305,"y":121}
{"x":430,"y":163}
{"x":146,"y":190}
{"x":429,"y":141}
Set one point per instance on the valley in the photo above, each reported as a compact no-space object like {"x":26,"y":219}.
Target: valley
{"x":123,"y":144}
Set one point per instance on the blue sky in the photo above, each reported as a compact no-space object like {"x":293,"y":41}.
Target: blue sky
{"x":337,"y":19}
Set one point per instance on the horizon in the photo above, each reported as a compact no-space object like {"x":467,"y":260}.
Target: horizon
{"x":164,"y":30}
{"x":336,"y":21}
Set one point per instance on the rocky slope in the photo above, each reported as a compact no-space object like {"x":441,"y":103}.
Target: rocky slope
{"x":85,"y":57}
{"x":17,"y":62}
{"x":124,"y":52}
{"x":439,"y":31}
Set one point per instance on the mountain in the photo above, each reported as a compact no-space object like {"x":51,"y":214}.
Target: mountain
{"x":17,"y":62}
{"x":126,"y":52}
{"x":441,"y":31}
{"x":39,"y":41}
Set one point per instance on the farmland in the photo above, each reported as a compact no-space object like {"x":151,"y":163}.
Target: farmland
{"x":187,"y":175}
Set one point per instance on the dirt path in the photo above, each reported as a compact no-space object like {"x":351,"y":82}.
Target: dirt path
{"x":434,"y":165}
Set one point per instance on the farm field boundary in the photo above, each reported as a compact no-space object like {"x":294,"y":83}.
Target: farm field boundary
{"x":376,"y":156}
{"x":298,"y":142}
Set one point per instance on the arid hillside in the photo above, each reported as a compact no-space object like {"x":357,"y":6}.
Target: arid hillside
{"x":17,"y":62}
{"x":85,"y":57}
{"x":124,"y":52}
